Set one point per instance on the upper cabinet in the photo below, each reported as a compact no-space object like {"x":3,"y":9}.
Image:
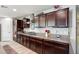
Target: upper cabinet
{"x":62,"y":18}
{"x":26,"y":22}
{"x":57,"y":19}
{"x":50,"y":17}
{"x":36,"y":18}
{"x":40,"y":21}
{"x":19,"y":25}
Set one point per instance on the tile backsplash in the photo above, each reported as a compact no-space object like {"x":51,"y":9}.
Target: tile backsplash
{"x":61,"y":31}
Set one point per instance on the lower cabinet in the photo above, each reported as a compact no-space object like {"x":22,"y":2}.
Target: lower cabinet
{"x":19,"y":37}
{"x":36,"y":44}
{"x":43,"y":46}
{"x":23,"y":40}
{"x":55,"y":48}
{"x":39,"y":45}
{"x":32,"y":43}
{"x":27,"y":41}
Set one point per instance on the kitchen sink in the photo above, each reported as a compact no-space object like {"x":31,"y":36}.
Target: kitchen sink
{"x":31,"y":33}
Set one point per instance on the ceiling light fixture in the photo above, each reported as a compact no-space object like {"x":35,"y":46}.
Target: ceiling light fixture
{"x":56,"y":6}
{"x":14,"y":9}
{"x":3,"y":6}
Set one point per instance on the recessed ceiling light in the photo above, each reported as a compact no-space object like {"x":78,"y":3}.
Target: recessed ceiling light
{"x":14,"y":9}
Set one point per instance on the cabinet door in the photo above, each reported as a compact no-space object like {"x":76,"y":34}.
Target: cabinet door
{"x":62,"y":17}
{"x":27,"y":41}
{"x":19,"y":25}
{"x":36,"y":21}
{"x":50,"y":19}
{"x":42,"y":21}
{"x":26,"y":23}
{"x":22,"y":39}
{"x":36,"y":44}
{"x":39,"y":45}
{"x":54,"y":48}
{"x":18,"y":38}
{"x":32,"y":43}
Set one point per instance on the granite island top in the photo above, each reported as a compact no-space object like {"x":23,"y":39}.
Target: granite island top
{"x":52,"y":37}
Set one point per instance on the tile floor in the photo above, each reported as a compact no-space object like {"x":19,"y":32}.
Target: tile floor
{"x":17,"y":47}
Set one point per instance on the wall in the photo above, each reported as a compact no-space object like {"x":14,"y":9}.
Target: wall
{"x":6,"y":29}
{"x":0,"y":29}
{"x":73,"y":28}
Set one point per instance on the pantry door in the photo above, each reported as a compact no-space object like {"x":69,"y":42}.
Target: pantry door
{"x":7,"y":29}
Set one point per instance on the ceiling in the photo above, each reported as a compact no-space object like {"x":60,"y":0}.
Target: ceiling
{"x":22,"y":10}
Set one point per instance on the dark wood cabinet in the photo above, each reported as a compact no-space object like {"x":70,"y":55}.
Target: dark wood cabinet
{"x":57,"y":19}
{"x":62,"y":18}
{"x":39,"y":45}
{"x":18,"y":38}
{"x":27,"y":41}
{"x":26,"y":23}
{"x":23,"y":40}
{"x":19,"y":25}
{"x":36,"y":19}
{"x":40,"y":21}
{"x":50,"y":17}
{"x":36,"y":44}
{"x":55,"y":48}
{"x":43,"y":46}
{"x":32,"y":43}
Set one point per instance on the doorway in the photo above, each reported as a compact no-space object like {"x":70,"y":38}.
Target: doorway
{"x":77,"y":30}
{"x":0,"y":32}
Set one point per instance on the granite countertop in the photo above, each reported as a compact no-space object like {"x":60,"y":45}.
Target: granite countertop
{"x":52,"y":37}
